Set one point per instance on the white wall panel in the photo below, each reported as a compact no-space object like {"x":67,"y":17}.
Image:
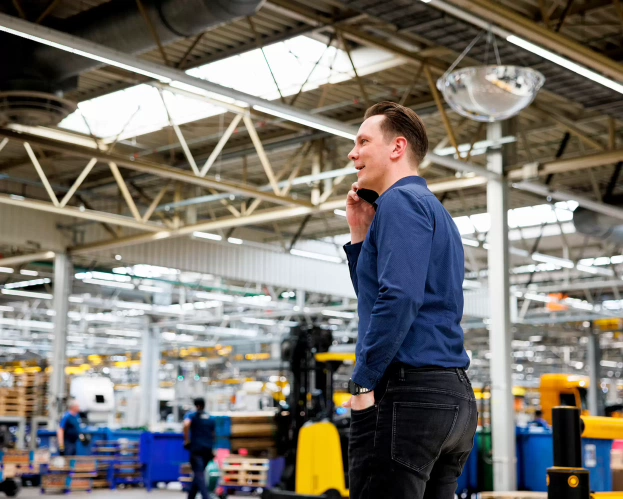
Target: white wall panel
{"x":243,"y":263}
{"x":22,"y":227}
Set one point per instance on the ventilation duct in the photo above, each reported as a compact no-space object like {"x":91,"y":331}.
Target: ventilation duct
{"x":599,"y":225}
{"x":35,"y":76}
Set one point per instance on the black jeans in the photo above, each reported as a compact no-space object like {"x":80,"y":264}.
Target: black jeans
{"x":71,"y":448}
{"x":414,"y":441}
{"x":199,"y":462}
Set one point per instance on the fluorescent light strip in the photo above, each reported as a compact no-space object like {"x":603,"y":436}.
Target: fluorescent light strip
{"x":562,"y":262}
{"x":190,"y":327}
{"x":565,"y":63}
{"x":33,"y":273}
{"x":316,"y":256}
{"x":470,"y":242}
{"x":303,"y":121}
{"x":207,"y":235}
{"x":6,"y":270}
{"x":151,"y":289}
{"x":27,"y":294}
{"x":340,"y":213}
{"x":338,"y":313}
{"x":25,"y":284}
{"x":263,"y":322}
{"x":111,"y":284}
{"x":4,"y":308}
{"x":234,"y":240}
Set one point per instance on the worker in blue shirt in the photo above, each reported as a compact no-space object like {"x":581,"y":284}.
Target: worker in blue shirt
{"x":68,"y":432}
{"x":413,"y":410}
{"x":539,"y":421}
{"x":199,"y":440}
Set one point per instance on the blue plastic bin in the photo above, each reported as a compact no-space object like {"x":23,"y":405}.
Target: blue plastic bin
{"x":535,"y":454}
{"x":162,"y":454}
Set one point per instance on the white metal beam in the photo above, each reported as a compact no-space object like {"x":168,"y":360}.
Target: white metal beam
{"x":261,"y":154}
{"x":41,"y":174}
{"x":124,"y":191}
{"x":84,"y":214}
{"x":78,"y":182}
{"x":220,"y":144}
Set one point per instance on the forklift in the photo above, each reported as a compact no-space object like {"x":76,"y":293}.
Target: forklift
{"x":313,"y":428}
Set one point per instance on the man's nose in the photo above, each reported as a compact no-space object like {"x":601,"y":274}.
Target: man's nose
{"x":352,"y":155}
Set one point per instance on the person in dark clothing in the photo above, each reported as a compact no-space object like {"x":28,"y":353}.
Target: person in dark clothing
{"x":68,"y":432}
{"x":413,"y":410}
{"x":199,"y":439}
{"x":538,"y":420}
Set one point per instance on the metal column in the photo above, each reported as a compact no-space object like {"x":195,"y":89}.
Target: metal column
{"x":62,"y":289}
{"x":595,"y":405}
{"x":149,"y":383}
{"x":500,"y":335}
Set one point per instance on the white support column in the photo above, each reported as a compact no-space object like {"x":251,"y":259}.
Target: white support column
{"x":62,"y":290}
{"x":594,"y":367}
{"x":149,"y":383}
{"x":500,"y":335}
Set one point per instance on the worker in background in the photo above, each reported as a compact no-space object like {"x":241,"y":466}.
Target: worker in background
{"x":413,"y":410}
{"x":199,"y":440}
{"x":68,"y":432}
{"x":538,"y":420}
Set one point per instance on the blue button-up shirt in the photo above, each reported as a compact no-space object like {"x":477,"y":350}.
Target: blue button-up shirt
{"x":408,"y":275}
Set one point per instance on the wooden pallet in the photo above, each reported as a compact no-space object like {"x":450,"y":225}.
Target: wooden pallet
{"x":241,"y":471}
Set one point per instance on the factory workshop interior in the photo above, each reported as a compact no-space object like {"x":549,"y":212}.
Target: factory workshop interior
{"x":173,"y":193}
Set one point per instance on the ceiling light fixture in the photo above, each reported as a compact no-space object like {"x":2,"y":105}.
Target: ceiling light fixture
{"x":6,"y":270}
{"x":207,"y":235}
{"x":315,"y":256}
{"x":305,"y":122}
{"x":562,"y":262}
{"x":33,"y":273}
{"x":234,"y":240}
{"x":25,"y":284}
{"x":27,"y":294}
{"x":111,"y":284}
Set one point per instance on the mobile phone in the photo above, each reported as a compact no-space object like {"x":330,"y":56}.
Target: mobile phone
{"x":368,"y":195}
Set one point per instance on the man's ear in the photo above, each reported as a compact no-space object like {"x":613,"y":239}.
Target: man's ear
{"x":400,"y":148}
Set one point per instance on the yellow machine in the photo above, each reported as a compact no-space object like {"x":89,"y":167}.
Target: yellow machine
{"x":563,"y":389}
{"x":319,"y":459}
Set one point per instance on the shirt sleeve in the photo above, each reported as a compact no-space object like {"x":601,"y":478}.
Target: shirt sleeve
{"x":352,"y":254}
{"x":404,"y":234}
{"x":189,"y":416}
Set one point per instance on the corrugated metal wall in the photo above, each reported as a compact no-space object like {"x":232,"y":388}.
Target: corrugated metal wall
{"x":242,"y":263}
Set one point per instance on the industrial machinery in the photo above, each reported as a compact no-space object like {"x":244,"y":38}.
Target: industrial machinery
{"x":96,"y":397}
{"x":314,"y":436}
{"x":563,"y":390}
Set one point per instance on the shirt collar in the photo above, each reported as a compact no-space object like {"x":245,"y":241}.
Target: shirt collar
{"x":411,"y":179}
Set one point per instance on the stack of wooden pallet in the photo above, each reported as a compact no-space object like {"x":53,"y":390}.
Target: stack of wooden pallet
{"x":16,"y":402}
{"x":239,"y":471}
{"x":26,"y":397}
{"x":254,"y":432}
{"x":68,"y":474}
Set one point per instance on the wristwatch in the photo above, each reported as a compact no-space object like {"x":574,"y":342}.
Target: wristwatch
{"x":355,"y":389}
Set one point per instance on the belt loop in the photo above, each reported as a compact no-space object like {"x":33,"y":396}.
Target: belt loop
{"x":401,"y":374}
{"x":459,"y":374}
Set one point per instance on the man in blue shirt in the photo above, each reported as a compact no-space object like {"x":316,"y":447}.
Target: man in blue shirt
{"x":413,"y":410}
{"x":199,"y":439}
{"x":68,"y":432}
{"x":539,"y":421}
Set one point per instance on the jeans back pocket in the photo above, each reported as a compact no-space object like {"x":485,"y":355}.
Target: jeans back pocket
{"x":419,"y":432}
